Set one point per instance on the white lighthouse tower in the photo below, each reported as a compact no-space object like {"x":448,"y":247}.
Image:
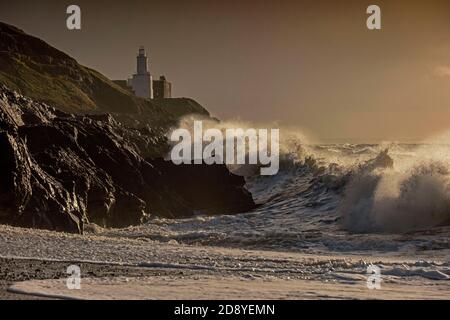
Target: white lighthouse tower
{"x":142,"y":81}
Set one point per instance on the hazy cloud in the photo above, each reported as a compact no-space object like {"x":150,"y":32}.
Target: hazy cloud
{"x":442,"y":71}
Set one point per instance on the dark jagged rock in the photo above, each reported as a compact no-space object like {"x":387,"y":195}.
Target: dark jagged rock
{"x":59,"y":170}
{"x":211,"y":189}
{"x":31,"y":197}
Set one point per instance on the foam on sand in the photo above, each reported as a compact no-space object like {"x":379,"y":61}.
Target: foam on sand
{"x":220,"y":272}
{"x":229,"y":287}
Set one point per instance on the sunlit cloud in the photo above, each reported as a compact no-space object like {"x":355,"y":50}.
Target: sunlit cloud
{"x":442,"y":71}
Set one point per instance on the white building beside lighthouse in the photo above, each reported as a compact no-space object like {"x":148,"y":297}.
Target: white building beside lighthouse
{"x":141,"y":82}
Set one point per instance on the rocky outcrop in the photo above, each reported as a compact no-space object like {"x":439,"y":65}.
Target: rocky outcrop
{"x":210,"y":189}
{"x":60,"y":170}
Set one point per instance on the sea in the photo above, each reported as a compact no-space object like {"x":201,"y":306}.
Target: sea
{"x":334,"y":198}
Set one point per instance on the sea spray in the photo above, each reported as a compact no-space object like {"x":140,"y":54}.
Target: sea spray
{"x":412,"y":194}
{"x":361,"y":188}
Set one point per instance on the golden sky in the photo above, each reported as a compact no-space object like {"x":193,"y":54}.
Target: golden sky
{"x":311,"y":64}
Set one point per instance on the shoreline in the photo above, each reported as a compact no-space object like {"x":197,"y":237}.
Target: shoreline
{"x":141,"y":268}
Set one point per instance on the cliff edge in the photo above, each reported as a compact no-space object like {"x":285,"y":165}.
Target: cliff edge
{"x":37,"y":70}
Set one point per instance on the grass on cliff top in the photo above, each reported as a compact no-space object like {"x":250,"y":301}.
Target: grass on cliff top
{"x":43,"y":73}
{"x":58,"y":92}
{"x":86,"y":90}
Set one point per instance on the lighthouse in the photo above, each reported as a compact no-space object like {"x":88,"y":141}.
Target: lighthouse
{"x":141,"y":82}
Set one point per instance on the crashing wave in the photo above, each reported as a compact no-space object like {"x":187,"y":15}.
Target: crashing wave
{"x":388,"y":193}
{"x":398,"y":200}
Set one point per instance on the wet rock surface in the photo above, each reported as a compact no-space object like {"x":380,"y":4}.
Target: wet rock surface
{"x":59,"y":170}
{"x":211,"y":189}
